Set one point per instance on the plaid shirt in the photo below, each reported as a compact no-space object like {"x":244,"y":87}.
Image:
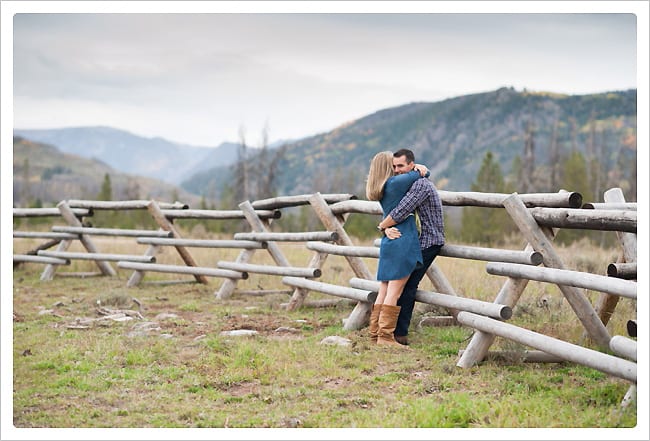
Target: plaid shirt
{"x":424,"y":198}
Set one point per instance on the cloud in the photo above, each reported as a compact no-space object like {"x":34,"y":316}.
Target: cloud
{"x":198,"y":77}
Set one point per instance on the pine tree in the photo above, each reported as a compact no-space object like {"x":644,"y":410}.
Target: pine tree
{"x":575,"y":175}
{"x":575,"y":178}
{"x":486,"y":225}
{"x":106,"y":192}
{"x":107,"y":218}
{"x":25,"y":194}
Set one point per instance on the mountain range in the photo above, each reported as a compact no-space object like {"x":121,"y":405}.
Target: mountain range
{"x":451,"y":137}
{"x":45,"y":174}
{"x":151,"y":157}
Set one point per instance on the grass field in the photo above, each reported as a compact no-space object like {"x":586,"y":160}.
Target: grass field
{"x":171,"y":366}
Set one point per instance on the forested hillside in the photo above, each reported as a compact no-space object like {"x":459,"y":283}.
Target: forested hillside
{"x":43,"y":176}
{"x":537,"y":141}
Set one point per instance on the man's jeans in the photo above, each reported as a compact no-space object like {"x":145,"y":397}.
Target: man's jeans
{"x":407,"y":299}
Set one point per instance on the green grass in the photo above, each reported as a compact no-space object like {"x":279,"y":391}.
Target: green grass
{"x":188,"y":375}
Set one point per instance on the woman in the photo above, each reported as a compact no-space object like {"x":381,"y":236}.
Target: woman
{"x":399,"y":257}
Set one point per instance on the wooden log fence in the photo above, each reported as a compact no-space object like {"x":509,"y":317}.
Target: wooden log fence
{"x":617,"y":287}
{"x":123,"y":205}
{"x":489,"y":309}
{"x":538,"y":217}
{"x":69,"y":216}
{"x":626,"y":206}
{"x":49,"y":212}
{"x":623,"y":346}
{"x":603,"y":220}
{"x":204,"y":243}
{"x":269,"y":269}
{"x":97,"y":256}
{"x":360,"y":295}
{"x":622,"y":270}
{"x":196,"y":271}
{"x":289,"y":237}
{"x":487,"y":254}
{"x":218,"y":214}
{"x":112,"y":232}
{"x":44,"y":235}
{"x":40,"y":259}
{"x":535,"y":236}
{"x":567,"y":351}
{"x":297,"y":200}
{"x":607,"y":303}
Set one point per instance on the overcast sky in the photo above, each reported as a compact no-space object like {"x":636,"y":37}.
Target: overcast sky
{"x":200,"y":78}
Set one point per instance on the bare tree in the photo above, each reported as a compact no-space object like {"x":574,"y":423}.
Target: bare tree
{"x":241,"y":190}
{"x":554,"y":158}
{"x":272,"y":171}
{"x":529,"y":159}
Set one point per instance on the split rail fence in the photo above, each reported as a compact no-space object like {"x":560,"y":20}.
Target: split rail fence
{"x":538,"y":217}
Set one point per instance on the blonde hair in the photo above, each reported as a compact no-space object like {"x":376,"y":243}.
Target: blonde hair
{"x":381,"y":168}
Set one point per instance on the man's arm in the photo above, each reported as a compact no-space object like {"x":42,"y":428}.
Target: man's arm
{"x":418,"y":192}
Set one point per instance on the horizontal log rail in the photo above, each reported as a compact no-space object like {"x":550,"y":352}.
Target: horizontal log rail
{"x":601,"y":220}
{"x":623,"y":346}
{"x":622,"y":270}
{"x":475,"y":199}
{"x":356,"y":206}
{"x":457,"y":251}
{"x":627,"y":206}
{"x":619,"y":287}
{"x":487,"y":254}
{"x":123,"y":205}
{"x":49,"y":212}
{"x":218,"y":214}
{"x":343,"y":250}
{"x":97,"y":256}
{"x":490,"y":309}
{"x":180,"y":269}
{"x":335,"y":290}
{"x":329,"y":236}
{"x":112,"y":232}
{"x":203,"y":243}
{"x":297,"y":200}
{"x":495,"y":200}
{"x":40,"y":259}
{"x":45,"y":235}
{"x":609,"y":364}
{"x":492,"y":254}
{"x":272,"y":270}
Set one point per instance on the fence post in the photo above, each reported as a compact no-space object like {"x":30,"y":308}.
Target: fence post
{"x":359,"y":316}
{"x":534,"y":235}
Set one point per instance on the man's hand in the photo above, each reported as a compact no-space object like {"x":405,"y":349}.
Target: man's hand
{"x":392,"y":233}
{"x":422,"y":169}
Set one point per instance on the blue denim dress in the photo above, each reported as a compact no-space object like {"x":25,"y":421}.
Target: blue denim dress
{"x":399,"y":257}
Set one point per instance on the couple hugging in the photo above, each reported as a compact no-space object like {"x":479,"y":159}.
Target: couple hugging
{"x":407,"y":249}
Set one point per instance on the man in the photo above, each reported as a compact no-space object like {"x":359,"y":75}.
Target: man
{"x":422,"y":198}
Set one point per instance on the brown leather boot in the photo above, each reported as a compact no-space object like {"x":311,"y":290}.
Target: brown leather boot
{"x":374,"y":322}
{"x":387,"y":322}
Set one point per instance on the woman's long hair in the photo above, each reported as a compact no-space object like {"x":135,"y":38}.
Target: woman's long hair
{"x":381,"y":168}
